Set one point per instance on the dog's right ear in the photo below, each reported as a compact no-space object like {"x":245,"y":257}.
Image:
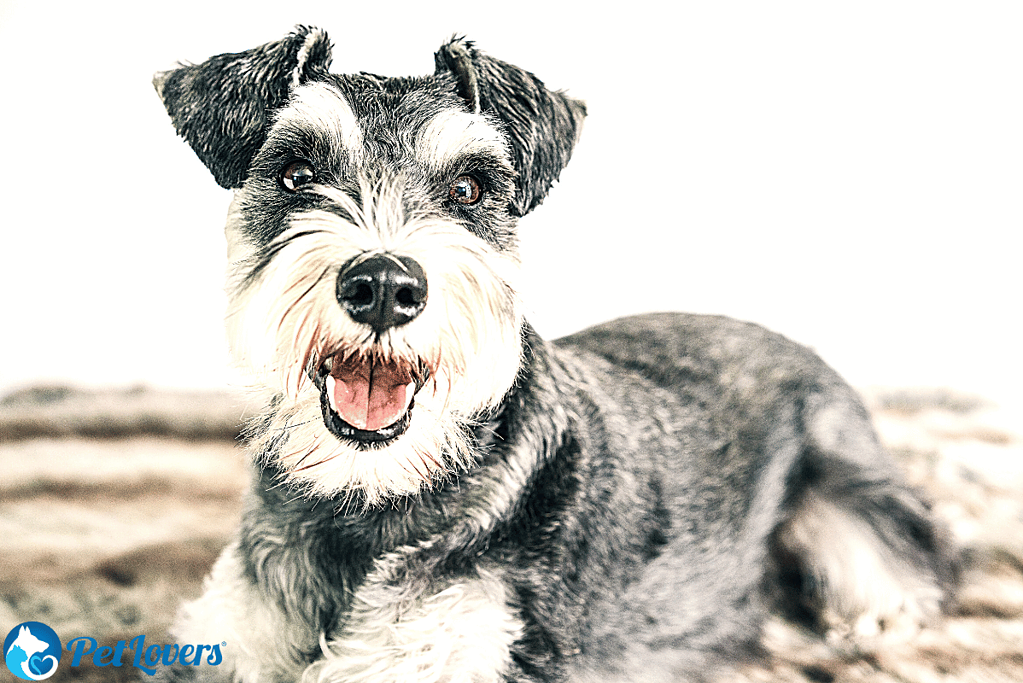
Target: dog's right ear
{"x":223,"y":107}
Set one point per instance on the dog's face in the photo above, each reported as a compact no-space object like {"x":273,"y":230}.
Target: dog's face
{"x":372,"y":247}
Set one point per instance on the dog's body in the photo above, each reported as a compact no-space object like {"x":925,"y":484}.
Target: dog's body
{"x":441,"y":495}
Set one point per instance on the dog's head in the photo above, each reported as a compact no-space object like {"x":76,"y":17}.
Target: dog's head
{"x":372,"y":247}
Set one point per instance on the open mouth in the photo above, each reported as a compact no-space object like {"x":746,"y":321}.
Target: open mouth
{"x":367,"y":399}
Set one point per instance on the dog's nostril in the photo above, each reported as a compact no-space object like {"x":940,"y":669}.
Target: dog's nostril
{"x":382,"y":291}
{"x":360,"y":295}
{"x":407,"y":297}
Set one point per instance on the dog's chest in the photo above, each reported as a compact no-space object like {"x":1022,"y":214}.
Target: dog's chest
{"x":462,"y":633}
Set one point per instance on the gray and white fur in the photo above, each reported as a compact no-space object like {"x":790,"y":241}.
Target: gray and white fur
{"x":438,"y":494}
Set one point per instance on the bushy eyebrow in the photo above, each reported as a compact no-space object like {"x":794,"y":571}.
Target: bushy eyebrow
{"x":453,"y":134}
{"x":321,"y":107}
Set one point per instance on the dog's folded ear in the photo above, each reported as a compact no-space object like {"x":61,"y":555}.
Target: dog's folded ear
{"x":223,"y":107}
{"x":543,"y":125}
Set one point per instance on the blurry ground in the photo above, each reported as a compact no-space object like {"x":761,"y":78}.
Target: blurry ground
{"x":113,"y":505}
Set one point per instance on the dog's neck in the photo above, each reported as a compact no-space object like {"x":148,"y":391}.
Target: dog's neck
{"x":463,"y":512}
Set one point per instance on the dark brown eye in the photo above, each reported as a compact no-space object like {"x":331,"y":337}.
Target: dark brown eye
{"x":296,"y":174}
{"x":465,"y":190}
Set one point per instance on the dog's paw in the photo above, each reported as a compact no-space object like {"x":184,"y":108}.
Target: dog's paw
{"x":861,"y":587}
{"x":900,"y":617}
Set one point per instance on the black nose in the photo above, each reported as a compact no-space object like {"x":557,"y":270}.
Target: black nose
{"x":383,"y":291}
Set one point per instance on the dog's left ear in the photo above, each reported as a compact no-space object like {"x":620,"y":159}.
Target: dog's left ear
{"x":543,"y":125}
{"x":224,"y":106}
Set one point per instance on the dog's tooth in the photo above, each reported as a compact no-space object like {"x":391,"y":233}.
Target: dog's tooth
{"x":328,"y":364}
{"x":330,"y":382}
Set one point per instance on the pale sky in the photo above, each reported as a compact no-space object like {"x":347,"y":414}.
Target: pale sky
{"x":848,"y":174}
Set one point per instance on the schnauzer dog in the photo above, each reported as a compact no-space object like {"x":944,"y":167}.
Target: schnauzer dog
{"x":439,"y":494}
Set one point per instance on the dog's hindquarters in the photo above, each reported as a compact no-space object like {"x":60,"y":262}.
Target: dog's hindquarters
{"x":846,"y":543}
{"x":858,"y":549}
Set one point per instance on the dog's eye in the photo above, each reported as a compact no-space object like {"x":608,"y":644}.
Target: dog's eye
{"x":465,"y":190}
{"x":296,"y":174}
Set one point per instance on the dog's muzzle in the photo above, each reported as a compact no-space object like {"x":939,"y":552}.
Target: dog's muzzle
{"x":368,"y":398}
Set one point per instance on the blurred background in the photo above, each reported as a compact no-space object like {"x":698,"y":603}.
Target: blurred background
{"x":847,"y":174}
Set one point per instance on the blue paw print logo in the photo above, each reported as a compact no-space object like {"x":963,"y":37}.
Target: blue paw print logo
{"x":32,"y":651}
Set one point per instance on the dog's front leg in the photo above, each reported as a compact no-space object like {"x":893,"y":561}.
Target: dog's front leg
{"x":462,"y":633}
{"x":262,"y":643}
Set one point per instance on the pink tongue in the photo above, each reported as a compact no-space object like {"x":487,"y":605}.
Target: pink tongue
{"x":370,"y":395}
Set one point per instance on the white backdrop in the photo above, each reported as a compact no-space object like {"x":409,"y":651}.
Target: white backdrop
{"x":846,"y":173}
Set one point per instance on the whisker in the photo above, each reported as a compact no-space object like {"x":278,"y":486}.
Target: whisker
{"x":312,"y":449}
{"x":287,"y":427}
{"x":273,"y":249}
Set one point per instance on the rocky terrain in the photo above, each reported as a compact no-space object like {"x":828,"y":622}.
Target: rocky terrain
{"x":114,"y":504}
